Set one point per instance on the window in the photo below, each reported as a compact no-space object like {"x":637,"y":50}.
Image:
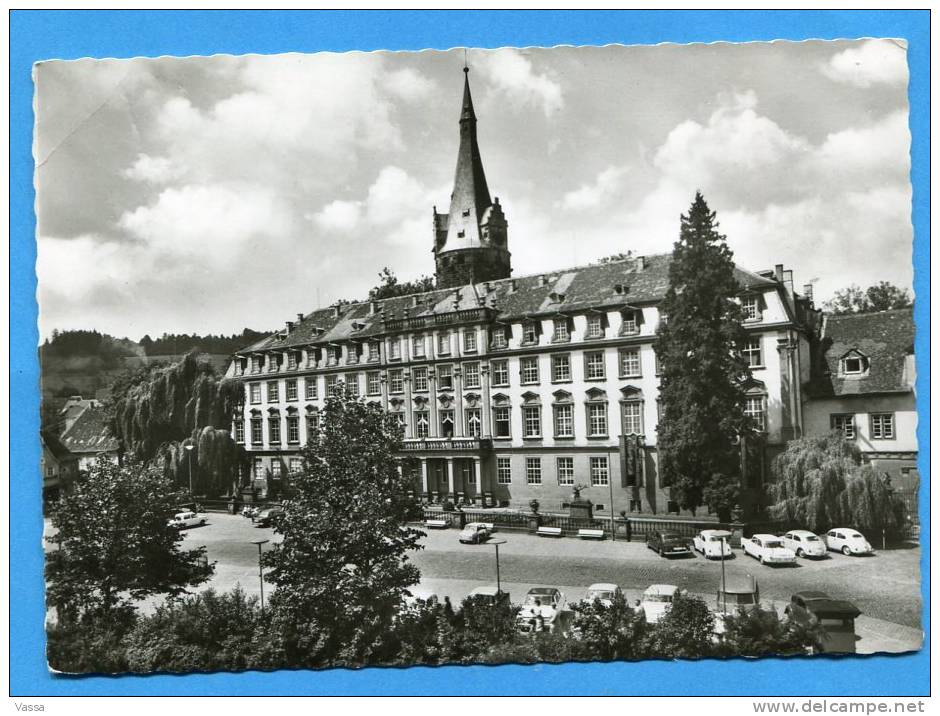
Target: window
{"x":470,"y":341}
{"x":291,"y":360}
{"x":352,"y":384}
{"x":632,"y":417}
{"x":566,"y":471}
{"x":293,"y":429}
{"x":658,"y":364}
{"x":394,"y":349}
{"x":533,"y":471}
{"x":447,"y":423}
{"x":332,"y":355}
{"x":498,"y":338}
{"x":273,"y":393}
{"x":564,"y":421}
{"x":275,"y":468}
{"x":445,"y":377}
{"x":374,"y":351}
{"x":256,"y":364}
{"x":501,"y":424}
{"x":332,"y":384}
{"x":310,"y":388}
{"x":751,"y":352}
{"x":400,"y":419}
{"x":257,"y":436}
{"x":473,"y":422}
{"x":352,"y":353}
{"x":750,"y":305}
{"x":500,"y":373}
{"x":259,"y":469}
{"x":530,"y":334}
{"x":420,"y":378}
{"x":528,"y":370}
{"x":531,"y":421}
{"x":313,"y":420}
{"x":629,"y":324}
{"x":471,"y":375}
{"x":854,"y":365}
{"x":882,"y":426}
{"x":561,"y":368}
{"x":295,"y":466}
{"x":396,"y":381}
{"x":273,"y":363}
{"x":373,"y":383}
{"x":754,"y":409}
{"x":594,"y":366}
{"x":313,"y":355}
{"x":274,"y":429}
{"x":595,"y":326}
{"x":560,"y":333}
{"x":844,"y":423}
{"x":255,"y":391}
{"x":417,"y":347}
{"x":290,"y":387}
{"x":630,"y":363}
{"x":239,"y":431}
{"x":443,"y":344}
{"x":422,"y":424}
{"x":597,"y":420}
{"x":503,"y":471}
{"x":599,"y":476}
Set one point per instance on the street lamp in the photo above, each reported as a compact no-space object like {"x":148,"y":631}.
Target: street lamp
{"x":496,"y":543}
{"x":188,"y":447}
{"x":260,"y":542}
{"x":724,"y":589}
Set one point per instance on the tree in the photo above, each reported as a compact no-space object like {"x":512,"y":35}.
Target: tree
{"x":609,"y":632}
{"x":703,"y":373}
{"x":760,"y":631}
{"x":882,"y":296}
{"x":342,"y":568}
{"x":390,"y":287}
{"x":114,"y":545}
{"x":684,"y":631}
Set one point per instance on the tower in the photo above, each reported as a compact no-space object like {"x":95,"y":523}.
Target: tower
{"x":470,"y":240}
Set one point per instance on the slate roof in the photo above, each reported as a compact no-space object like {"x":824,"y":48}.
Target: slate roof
{"x":89,"y":434}
{"x":886,"y":338}
{"x":55,"y":446}
{"x":572,"y":290}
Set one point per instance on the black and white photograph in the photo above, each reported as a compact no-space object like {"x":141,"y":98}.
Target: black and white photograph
{"x":477,"y":356}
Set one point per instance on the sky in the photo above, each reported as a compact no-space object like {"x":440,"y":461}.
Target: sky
{"x":210,"y":194}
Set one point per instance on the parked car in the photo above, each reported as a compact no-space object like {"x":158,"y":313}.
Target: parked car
{"x":489,"y":594}
{"x":836,"y":617}
{"x":475,"y":533}
{"x":768,"y":549}
{"x":604,"y":591}
{"x":182,"y":520}
{"x":713,"y":544}
{"x":541,"y":610}
{"x":267,"y":516}
{"x":667,"y":544}
{"x":847,"y":541}
{"x":657,"y":599}
{"x":804,"y":543}
{"x":737,"y":593}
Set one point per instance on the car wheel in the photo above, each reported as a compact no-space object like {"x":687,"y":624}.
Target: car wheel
{"x":800,"y":553}
{"x":761,"y":559}
{"x":660,"y":551}
{"x":846,"y":551}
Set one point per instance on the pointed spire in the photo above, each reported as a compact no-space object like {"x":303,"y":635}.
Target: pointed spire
{"x":466,"y":111}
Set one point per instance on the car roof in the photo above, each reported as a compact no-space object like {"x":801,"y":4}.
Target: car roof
{"x":739,"y":584}
{"x":475,"y":524}
{"x":844,"y":529}
{"x":543,"y":590}
{"x":605,"y":586}
{"x":717,"y":533}
{"x":488,"y":590}
{"x":802,"y":532}
{"x":822,"y":605}
{"x":661,"y":589}
{"x":764,"y":535}
{"x":812,"y":594}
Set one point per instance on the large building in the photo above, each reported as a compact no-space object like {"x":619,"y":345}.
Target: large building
{"x":514,"y":388}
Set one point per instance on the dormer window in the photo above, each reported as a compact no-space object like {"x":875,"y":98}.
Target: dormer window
{"x":460,"y":234}
{"x":629,"y":324}
{"x":561,"y":333}
{"x":854,"y":364}
{"x":466,"y":212}
{"x":595,"y":325}
{"x":750,"y":305}
{"x":498,"y":338}
{"x":530,"y":333}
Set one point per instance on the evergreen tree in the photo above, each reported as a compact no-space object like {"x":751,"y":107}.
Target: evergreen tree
{"x":702,"y":373}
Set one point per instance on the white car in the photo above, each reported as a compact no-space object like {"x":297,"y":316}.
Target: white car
{"x":768,"y":549}
{"x":604,"y":591}
{"x":713,"y":544}
{"x":475,"y":533}
{"x":804,"y":543}
{"x":541,"y":610}
{"x":657,"y":600}
{"x":182,"y":520}
{"x":848,"y":541}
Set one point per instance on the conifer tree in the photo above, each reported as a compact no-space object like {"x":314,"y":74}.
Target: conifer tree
{"x":702,"y":371}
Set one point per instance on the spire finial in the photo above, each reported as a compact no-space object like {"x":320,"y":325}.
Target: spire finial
{"x":465,"y":68}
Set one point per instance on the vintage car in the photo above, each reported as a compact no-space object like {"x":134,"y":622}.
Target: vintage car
{"x":835,"y":617}
{"x":848,"y":542}
{"x":604,"y":591}
{"x":667,"y":544}
{"x":737,"y":592}
{"x":475,"y":533}
{"x":541,"y":610}
{"x":182,"y":520}
{"x":266,"y":516}
{"x":713,"y":544}
{"x":489,"y":594}
{"x":657,"y":600}
{"x":768,"y":549}
{"x":804,"y":543}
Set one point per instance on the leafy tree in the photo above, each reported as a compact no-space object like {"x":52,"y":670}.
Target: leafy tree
{"x":760,"y":631}
{"x":91,"y":643}
{"x":684,"y":631}
{"x":882,"y":296}
{"x":609,"y":632}
{"x":390,"y":286}
{"x":114,"y":545}
{"x":342,"y":569}
{"x":703,"y":373}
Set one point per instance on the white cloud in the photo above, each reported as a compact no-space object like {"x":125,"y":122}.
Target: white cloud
{"x":512,"y":76}
{"x":153,"y":170}
{"x":590,"y":196}
{"x":409,"y":84}
{"x":873,"y":62}
{"x":338,"y":215}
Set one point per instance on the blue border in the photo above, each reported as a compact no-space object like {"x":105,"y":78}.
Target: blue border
{"x":37,"y":35}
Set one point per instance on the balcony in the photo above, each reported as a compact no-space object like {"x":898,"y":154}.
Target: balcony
{"x":458,"y":445}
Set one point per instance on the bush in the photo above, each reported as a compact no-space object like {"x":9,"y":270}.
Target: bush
{"x":90,"y":645}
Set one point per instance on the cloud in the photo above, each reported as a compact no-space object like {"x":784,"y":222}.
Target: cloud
{"x":409,"y":84}
{"x":338,"y":215}
{"x":873,"y":62}
{"x":511,"y":75}
{"x":153,"y":170}
{"x":590,"y":196}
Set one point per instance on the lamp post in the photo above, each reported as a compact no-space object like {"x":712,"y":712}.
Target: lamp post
{"x":260,"y":542}
{"x":496,"y":543}
{"x":724,"y":590}
{"x":188,"y":447}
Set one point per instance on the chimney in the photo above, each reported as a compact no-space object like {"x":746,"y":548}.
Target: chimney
{"x":778,"y":273}
{"x":414,"y":301}
{"x":543,"y":280}
{"x":456,"y":299}
{"x":290,"y":326}
{"x":512,"y":285}
{"x":373,"y":306}
{"x":300,"y":318}
{"x":808,"y":291}
{"x":640,"y":263}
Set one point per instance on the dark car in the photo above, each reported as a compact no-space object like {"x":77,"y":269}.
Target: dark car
{"x":668,"y":544}
{"x":835,"y":617}
{"x":267,"y":516}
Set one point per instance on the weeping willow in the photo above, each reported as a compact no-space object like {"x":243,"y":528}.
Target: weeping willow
{"x":184,"y":404}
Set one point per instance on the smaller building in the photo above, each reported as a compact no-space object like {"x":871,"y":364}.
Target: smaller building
{"x":59,"y":466}
{"x":74,"y":407}
{"x":88,"y":438}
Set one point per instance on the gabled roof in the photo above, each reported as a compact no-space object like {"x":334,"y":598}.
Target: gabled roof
{"x":89,"y":434}
{"x":886,"y":338}
{"x":580,"y":288}
{"x":55,"y":446}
